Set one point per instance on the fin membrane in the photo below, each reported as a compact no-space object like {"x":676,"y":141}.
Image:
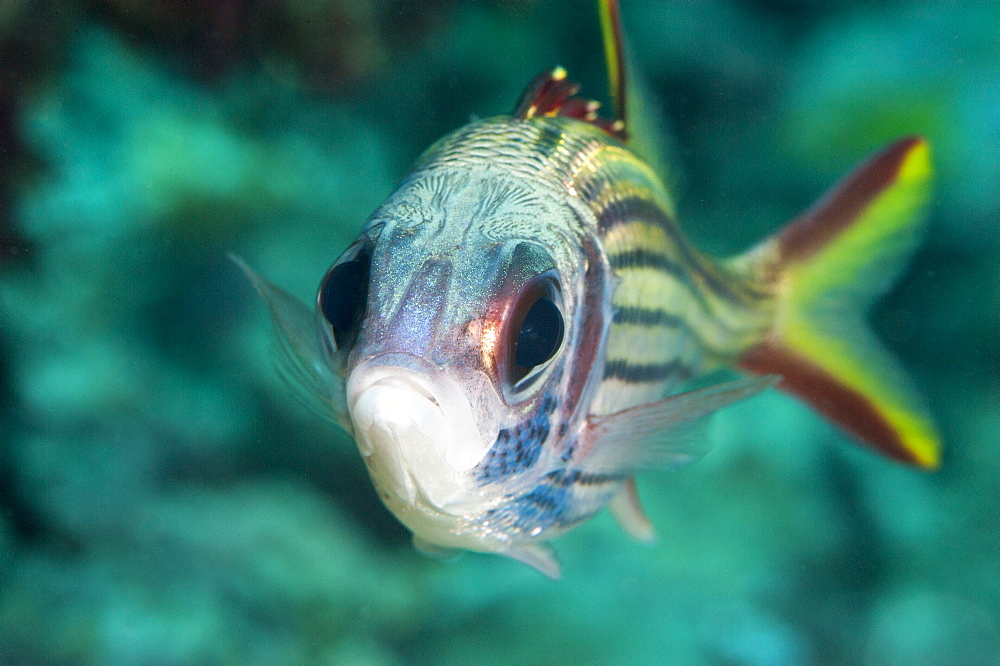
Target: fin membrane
{"x":538,"y":556}
{"x":552,"y":94}
{"x":301,"y":359}
{"x":828,"y":266}
{"x":627,"y":510}
{"x":641,"y":118}
{"x":663,"y":434}
{"x":434,"y":551}
{"x":636,"y":122}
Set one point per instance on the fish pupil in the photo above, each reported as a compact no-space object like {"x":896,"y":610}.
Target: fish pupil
{"x":343,"y":297}
{"x":540,"y":334}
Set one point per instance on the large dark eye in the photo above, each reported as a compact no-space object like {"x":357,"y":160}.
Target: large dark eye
{"x":343,"y":296}
{"x":540,"y":334}
{"x":537,"y":330}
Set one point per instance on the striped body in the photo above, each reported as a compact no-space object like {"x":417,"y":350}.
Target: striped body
{"x":674,"y":314}
{"x":663,"y":312}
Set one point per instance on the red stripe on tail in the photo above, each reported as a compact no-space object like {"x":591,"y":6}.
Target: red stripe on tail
{"x":827,"y":395}
{"x":843,"y":204}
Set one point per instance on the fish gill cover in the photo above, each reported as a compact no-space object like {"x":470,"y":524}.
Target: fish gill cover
{"x":165,"y":502}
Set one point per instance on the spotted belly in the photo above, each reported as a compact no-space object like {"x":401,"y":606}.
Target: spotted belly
{"x":564,"y":498}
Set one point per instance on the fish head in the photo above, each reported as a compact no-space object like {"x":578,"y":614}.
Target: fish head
{"x":453,"y":319}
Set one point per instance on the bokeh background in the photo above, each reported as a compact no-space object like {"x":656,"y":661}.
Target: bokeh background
{"x":163,"y":499}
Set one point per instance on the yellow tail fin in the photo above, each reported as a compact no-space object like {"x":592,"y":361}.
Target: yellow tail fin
{"x":828,"y":266}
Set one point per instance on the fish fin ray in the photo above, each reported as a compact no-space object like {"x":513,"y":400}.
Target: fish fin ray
{"x":662,"y":434}
{"x":628,"y":513}
{"x":830,"y":264}
{"x":299,"y":354}
{"x":552,"y":94}
{"x":642,"y":119}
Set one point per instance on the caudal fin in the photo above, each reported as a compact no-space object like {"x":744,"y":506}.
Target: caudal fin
{"x":829,"y":265}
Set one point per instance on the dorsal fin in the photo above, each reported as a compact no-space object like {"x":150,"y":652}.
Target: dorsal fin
{"x":546,"y":95}
{"x":552,"y":94}
{"x":641,"y":120}
{"x":614,"y":57}
{"x":635,"y":121}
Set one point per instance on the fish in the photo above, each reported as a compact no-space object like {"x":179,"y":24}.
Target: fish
{"x":521,"y":328}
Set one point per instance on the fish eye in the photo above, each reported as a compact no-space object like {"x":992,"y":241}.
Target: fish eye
{"x":343,"y":294}
{"x":540,"y":334}
{"x":536,"y":330}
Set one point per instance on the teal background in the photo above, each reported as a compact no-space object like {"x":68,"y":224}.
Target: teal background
{"x":163,"y":498}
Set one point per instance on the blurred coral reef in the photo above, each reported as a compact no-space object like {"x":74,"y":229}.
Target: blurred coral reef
{"x":163,"y":500}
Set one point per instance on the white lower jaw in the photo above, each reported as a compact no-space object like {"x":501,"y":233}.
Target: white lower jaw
{"x":417,"y":436}
{"x":420,"y":439}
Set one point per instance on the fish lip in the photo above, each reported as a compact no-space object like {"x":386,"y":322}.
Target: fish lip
{"x":398,"y":369}
{"x":415,"y":426}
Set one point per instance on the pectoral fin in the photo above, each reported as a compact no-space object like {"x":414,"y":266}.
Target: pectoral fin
{"x":300,"y":356}
{"x":663,"y":434}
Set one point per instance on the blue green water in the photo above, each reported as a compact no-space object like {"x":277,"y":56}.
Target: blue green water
{"x":164,"y":499}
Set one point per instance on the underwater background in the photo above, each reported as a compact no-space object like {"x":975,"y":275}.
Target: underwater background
{"x":165,"y":500}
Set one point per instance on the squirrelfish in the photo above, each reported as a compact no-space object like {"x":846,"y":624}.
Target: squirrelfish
{"x":509,"y":337}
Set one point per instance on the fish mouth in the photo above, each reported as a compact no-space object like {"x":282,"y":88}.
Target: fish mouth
{"x":415,"y":428}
